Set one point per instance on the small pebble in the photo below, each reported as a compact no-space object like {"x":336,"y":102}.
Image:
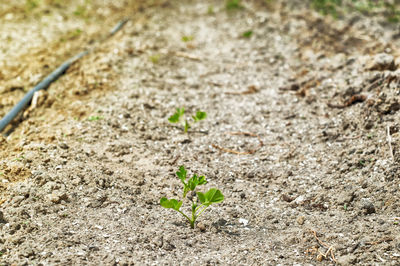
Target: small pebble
{"x":300,"y":220}
{"x":63,"y":145}
{"x":381,"y":62}
{"x":243,"y":221}
{"x":201,"y":226}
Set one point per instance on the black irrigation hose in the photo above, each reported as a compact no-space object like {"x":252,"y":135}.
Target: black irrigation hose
{"x":42,"y":85}
{"x":45,"y":83}
{"x":118,"y":26}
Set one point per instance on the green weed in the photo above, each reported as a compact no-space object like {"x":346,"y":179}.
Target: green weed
{"x":233,"y":4}
{"x":210,"y":10}
{"x":80,"y":11}
{"x":334,"y":8}
{"x":31,"y":4}
{"x":247,"y":34}
{"x":362,"y":163}
{"x":95,"y":118}
{"x":327,"y":7}
{"x":154,"y":58}
{"x":19,"y":158}
{"x":187,"y":38}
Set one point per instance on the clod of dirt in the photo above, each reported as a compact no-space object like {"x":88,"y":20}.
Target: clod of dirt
{"x":57,"y":197}
{"x":201,"y":226}
{"x":346,"y":260}
{"x":63,"y":145}
{"x":287,"y":198}
{"x":368,"y":207}
{"x":381,"y":62}
{"x":3,"y":141}
{"x":345,"y":197}
{"x":2,"y":220}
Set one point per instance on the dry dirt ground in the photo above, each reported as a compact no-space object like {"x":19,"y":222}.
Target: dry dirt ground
{"x":312,"y":177}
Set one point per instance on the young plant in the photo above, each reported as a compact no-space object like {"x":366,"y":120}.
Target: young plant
{"x":95,"y":118}
{"x":247,"y":34}
{"x":327,"y":7}
{"x":31,"y":4}
{"x":233,"y":4}
{"x":187,"y":38}
{"x":154,"y":58}
{"x":200,"y":201}
{"x":178,"y":117}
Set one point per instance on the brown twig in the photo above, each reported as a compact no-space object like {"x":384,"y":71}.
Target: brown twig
{"x":357,"y":98}
{"x":330,"y":248}
{"x":175,"y":160}
{"x":188,"y":56}
{"x":348,"y":138}
{"x":389,"y":140}
{"x":250,"y":90}
{"x":386,"y":239}
{"x":247,"y":134}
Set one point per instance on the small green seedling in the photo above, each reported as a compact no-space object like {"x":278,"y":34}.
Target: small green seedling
{"x":80,"y":11}
{"x":177,"y":117}
{"x":19,"y":159}
{"x":200,"y":201}
{"x":187,"y":38}
{"x":154,"y":58}
{"x":31,"y":4}
{"x":233,"y":4}
{"x":210,"y":10}
{"x":247,"y":34}
{"x":95,"y":118}
{"x":327,"y":7}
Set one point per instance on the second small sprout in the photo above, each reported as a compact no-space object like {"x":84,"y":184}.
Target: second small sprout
{"x":179,"y":114}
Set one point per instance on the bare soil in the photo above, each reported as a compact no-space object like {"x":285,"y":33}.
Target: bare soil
{"x":302,"y":134}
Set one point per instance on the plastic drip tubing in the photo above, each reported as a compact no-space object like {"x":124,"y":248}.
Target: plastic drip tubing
{"x":45,"y":83}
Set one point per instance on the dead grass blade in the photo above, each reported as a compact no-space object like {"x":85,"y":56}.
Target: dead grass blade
{"x":323,"y":255}
{"x":389,"y":140}
{"x":246,"y":134}
{"x":250,"y":90}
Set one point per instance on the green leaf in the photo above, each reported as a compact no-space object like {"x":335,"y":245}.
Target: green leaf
{"x":200,"y":116}
{"x":201,"y":197}
{"x":195,"y":181}
{"x":176,"y":117}
{"x":212,"y":196}
{"x":192,"y":183}
{"x":194,"y":206}
{"x":182,"y":173}
{"x":185,"y":190}
{"x":202,"y":180}
{"x":187,"y":126}
{"x":170,"y":204}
